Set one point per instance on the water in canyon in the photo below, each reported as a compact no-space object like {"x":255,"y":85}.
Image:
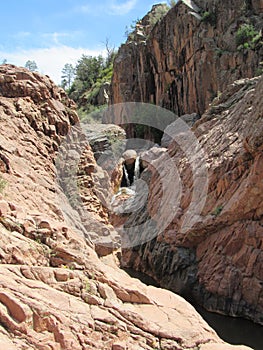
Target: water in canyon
{"x":126,"y":176}
{"x":233,"y":330}
{"x":131,"y":173}
{"x":136,"y":169}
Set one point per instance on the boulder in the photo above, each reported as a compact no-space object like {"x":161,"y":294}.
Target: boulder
{"x":129,"y":156}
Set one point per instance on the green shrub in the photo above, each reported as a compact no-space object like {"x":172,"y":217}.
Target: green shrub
{"x":3,"y":184}
{"x":158,"y":14}
{"x":91,"y":114}
{"x":209,"y":18}
{"x":220,"y":52}
{"x":257,"y":40}
{"x":246,"y":46}
{"x":217,"y":210}
{"x":246,"y":7}
{"x":259,"y":70}
{"x":172,"y":3}
{"x":245,"y":34}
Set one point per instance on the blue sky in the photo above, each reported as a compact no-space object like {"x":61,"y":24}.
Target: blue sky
{"x":55,"y":32}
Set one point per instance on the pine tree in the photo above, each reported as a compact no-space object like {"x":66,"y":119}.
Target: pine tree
{"x":68,"y":74}
{"x":31,"y":65}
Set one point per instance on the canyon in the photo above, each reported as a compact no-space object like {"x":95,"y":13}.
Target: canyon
{"x":212,"y":254}
{"x":192,"y":66}
{"x":196,"y":227}
{"x":55,"y":291}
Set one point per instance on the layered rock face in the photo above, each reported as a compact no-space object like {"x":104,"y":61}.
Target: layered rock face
{"x":213,"y":255}
{"x":55,"y":293}
{"x":189,"y":57}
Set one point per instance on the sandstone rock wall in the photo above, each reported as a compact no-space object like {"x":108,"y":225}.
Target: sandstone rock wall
{"x":218,"y":259}
{"x":55,"y":293}
{"x":189,"y":59}
{"x":184,"y":62}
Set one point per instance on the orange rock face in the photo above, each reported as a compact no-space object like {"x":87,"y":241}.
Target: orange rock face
{"x":184,"y":62}
{"x":217,"y":257}
{"x":55,"y":293}
{"x":191,"y":58}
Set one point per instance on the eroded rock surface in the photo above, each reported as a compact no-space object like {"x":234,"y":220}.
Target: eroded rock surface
{"x":187,"y":59}
{"x":55,"y":293}
{"x":191,"y":63}
{"x":214,"y":255}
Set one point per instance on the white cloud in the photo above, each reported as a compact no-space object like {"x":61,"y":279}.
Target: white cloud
{"x":46,"y":38}
{"x":21,"y":35}
{"x":55,"y":37}
{"x":124,"y":8}
{"x":111,"y":7}
{"x":84,"y":9}
{"x":93,"y":10}
{"x":50,"y":61}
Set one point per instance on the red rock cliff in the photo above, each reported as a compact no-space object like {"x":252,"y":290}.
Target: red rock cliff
{"x":217,"y":257}
{"x":187,"y":59}
{"x":55,"y":293}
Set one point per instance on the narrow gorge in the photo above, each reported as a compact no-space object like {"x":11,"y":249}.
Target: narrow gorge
{"x":168,"y":186}
{"x":192,"y":63}
{"x":55,"y":291}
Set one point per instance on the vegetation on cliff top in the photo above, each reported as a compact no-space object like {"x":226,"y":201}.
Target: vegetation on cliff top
{"x":84,"y":82}
{"x":144,"y":26}
{"x":89,"y":80}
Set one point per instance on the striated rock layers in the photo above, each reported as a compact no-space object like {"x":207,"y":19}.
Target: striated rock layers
{"x":189,"y":57}
{"x":217,"y":257}
{"x":55,"y":293}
